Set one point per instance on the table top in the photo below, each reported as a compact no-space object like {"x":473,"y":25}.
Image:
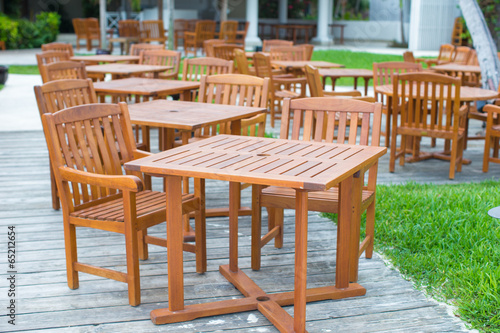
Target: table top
{"x":126,"y":69}
{"x":297,"y":164}
{"x":145,"y":86}
{"x":301,"y":64}
{"x":467,"y":94}
{"x":451,"y":67}
{"x":346,"y":72}
{"x":107,"y":58}
{"x":187,"y":115}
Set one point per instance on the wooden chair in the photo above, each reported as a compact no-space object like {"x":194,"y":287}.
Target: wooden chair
{"x":228,"y":31}
{"x":205,"y":29}
{"x":136,"y":49}
{"x":128,"y":31}
{"x":382,"y":75}
{"x":445,"y":55}
{"x":58,"y":47}
{"x":180,"y":26}
{"x":49,"y":57}
{"x":492,"y":135}
{"x":308,"y":49}
{"x":288,"y":53}
{"x":163,"y":58}
{"x":409,"y":57}
{"x":242,"y":64}
{"x":208,"y":46}
{"x":153,"y":31}
{"x":268,"y":43}
{"x":280,"y":86}
{"x":87,"y":29}
{"x":88,"y":146}
{"x":316,"y":86}
{"x":425,"y":112}
{"x":64,"y":70}
{"x":473,"y":60}
{"x":456,"y":34}
{"x":226,"y":51}
{"x":194,"y":68}
{"x":241,"y":33}
{"x":303,"y":126}
{"x":461,"y":55}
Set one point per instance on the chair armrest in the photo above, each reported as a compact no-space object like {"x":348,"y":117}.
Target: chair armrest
{"x":462,"y":112}
{"x":174,"y":76}
{"x":141,"y":153}
{"x":123,"y":182}
{"x":283,"y":80}
{"x":353,"y":93}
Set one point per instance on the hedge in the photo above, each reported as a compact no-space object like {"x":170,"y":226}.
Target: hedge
{"x":24,"y":34}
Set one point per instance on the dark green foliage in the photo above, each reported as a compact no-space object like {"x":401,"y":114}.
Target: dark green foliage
{"x":24,"y":34}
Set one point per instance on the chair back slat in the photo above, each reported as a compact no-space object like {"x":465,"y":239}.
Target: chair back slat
{"x":129,"y":28}
{"x":136,"y":49}
{"x":288,"y":53}
{"x":228,"y":31}
{"x":161,"y":58}
{"x":268,"y":43}
{"x":314,"y":81}
{"x":58,"y":47}
{"x":65,"y":70}
{"x":226,"y":51}
{"x":194,"y":68}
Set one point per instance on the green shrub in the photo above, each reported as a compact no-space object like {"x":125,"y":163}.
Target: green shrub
{"x":24,"y":34}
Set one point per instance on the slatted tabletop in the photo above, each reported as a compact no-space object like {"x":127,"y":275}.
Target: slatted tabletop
{"x":126,"y":69}
{"x":301,"y":64}
{"x":335,"y":73}
{"x":450,"y":68}
{"x":261,"y":161}
{"x":145,"y":86}
{"x":106,"y":58}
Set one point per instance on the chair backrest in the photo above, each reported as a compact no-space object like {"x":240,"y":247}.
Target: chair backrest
{"x":95,"y":138}
{"x":191,"y":25}
{"x":226,"y":51}
{"x":241,"y":61}
{"x":383,"y":71}
{"x":473,"y":60}
{"x":232,"y":89}
{"x":59,"y":47}
{"x":228,"y":31}
{"x":241,"y":33}
{"x":409,"y":57}
{"x":64,"y":70}
{"x":161,"y":58}
{"x":313,"y":81}
{"x":194,"y":68}
{"x":205,"y":29}
{"x":208,"y":46}
{"x":180,"y":24}
{"x":268,"y":43}
{"x":153,"y":31}
{"x":427,"y":102}
{"x":129,"y":28}
{"x":446,"y":53}
{"x":92,"y":27}
{"x":80,"y":27}
{"x":136,"y":49}
{"x":288,"y":53}
{"x":461,"y":54}
{"x":49,"y":57}
{"x":308,"y":49}
{"x":262,"y":64}
{"x":58,"y":95}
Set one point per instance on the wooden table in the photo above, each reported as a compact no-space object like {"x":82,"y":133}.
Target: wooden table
{"x":341,"y":26}
{"x":335,"y":73}
{"x":291,"y":66}
{"x":124,"y":43}
{"x":471,"y":75}
{"x":292,"y":30}
{"x":146,"y":88}
{"x":304,"y":166}
{"x":106,"y":58}
{"x":126,"y":70}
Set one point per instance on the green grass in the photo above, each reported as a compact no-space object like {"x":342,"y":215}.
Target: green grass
{"x":441,"y":238}
{"x":23,"y":69}
{"x":353,"y":60}
{"x":1,"y":86}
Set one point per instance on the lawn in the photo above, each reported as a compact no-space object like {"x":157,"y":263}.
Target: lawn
{"x":441,"y":238}
{"x":24,"y":69}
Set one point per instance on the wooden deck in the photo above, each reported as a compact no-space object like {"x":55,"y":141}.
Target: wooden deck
{"x":46,"y":304}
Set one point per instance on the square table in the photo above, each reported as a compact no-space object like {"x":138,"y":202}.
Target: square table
{"x":126,"y":70}
{"x":304,"y":166}
{"x":106,"y":58}
{"x":291,"y":65}
{"x":335,"y":73}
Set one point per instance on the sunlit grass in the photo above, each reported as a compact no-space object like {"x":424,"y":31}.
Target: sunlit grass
{"x":23,"y":69}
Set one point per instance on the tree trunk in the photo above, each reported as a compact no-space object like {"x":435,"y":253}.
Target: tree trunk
{"x":401,"y":18}
{"x":483,"y":43}
{"x":171,"y":8}
{"x":223,"y":10}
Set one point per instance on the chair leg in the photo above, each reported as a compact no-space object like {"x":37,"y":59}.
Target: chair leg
{"x":132,"y":248}
{"x":370,"y":229}
{"x":256,"y":227}
{"x":279,"y":222}
{"x":200,"y":228}
{"x":89,"y":44}
{"x":486,"y":154}
{"x":392,"y":158}
{"x":453,"y":158}
{"x":56,"y":204}
{"x":142,"y":245}
{"x":71,"y":254}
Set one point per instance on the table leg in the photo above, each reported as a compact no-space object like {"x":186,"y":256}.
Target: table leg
{"x":175,"y":253}
{"x":355,"y":83}
{"x":299,"y":310}
{"x":355,"y":226}
{"x":344,"y":232}
{"x":366,"y":86}
{"x":234,"y":205}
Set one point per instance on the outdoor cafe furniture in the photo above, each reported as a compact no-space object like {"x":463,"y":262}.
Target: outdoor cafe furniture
{"x":445,"y":56}
{"x":49,"y":57}
{"x":335,"y":73}
{"x":87,"y":29}
{"x":268,"y":43}
{"x":226,"y":51}
{"x":382,"y":75}
{"x":294,"y":32}
{"x":63,"y":70}
{"x":162,"y":58}
{"x":316,"y":87}
{"x":88,"y":145}
{"x":303,"y":166}
{"x":242,"y":63}
{"x":60,"y":47}
{"x":208,"y":46}
{"x":241,"y":33}
{"x":153,"y":31}
{"x":292,"y":65}
{"x":193,"y":40}
{"x":228,"y":31}
{"x":194,"y":68}
{"x":126,"y":70}
{"x":470,"y":75}
{"x":341,"y":26}
{"x":136,"y":49}
{"x":129,"y":31}
{"x":348,"y":121}
{"x":106,"y":59}
{"x":492,"y":138}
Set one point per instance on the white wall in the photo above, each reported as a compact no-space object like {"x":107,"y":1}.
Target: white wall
{"x":365,"y":31}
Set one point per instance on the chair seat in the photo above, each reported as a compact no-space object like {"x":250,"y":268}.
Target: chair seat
{"x":324,"y":201}
{"x":286,"y":94}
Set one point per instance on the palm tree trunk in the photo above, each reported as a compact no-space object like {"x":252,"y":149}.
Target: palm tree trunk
{"x":483,"y":43}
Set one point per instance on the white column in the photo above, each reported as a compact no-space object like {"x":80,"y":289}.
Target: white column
{"x":253,"y":17}
{"x":283,"y":11}
{"x":322,"y":37}
{"x":102,"y":22}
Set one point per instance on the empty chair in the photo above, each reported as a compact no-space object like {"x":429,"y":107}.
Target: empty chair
{"x":153,"y":31}
{"x":316,"y":87}
{"x":87,"y":29}
{"x":58,"y":47}
{"x":242,"y":64}
{"x":409,"y":57}
{"x":205,"y":29}
{"x":492,"y":139}
{"x":128,"y":31}
{"x":135,"y":49}
{"x":461,"y":55}
{"x":49,"y":57}
{"x":241,"y":33}
{"x":226,"y":51}
{"x":382,"y":75}
{"x":228,"y":31}
{"x":88,"y":146}
{"x":298,"y":124}
{"x":208,"y":46}
{"x":308,"y":49}
{"x":268,"y":43}
{"x":194,"y":68}
{"x":64,"y":70}
{"x":180,"y":26}
{"x":429,"y":106}
{"x":445,"y":55}
{"x":162,"y":58}
{"x":288,"y":53}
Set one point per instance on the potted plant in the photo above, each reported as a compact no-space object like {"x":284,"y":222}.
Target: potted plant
{"x":4,"y":73}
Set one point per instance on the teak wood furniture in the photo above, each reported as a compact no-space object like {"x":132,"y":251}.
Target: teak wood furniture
{"x":162,"y":58}
{"x":341,"y":26}
{"x":60,"y":47}
{"x":470,"y":75}
{"x":335,"y":73}
{"x":126,"y":70}
{"x":136,"y":49}
{"x":291,"y":65}
{"x":153,"y":31}
{"x":88,"y":145}
{"x":106,"y":59}
{"x":492,"y":136}
{"x":303,"y":166}
{"x":204,"y":30}
{"x":228,"y":31}
{"x":316,"y":88}
{"x":129,"y":31}
{"x":87,"y":29}
{"x":344,"y":119}
{"x":64,"y":70}
{"x":268,"y":43}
